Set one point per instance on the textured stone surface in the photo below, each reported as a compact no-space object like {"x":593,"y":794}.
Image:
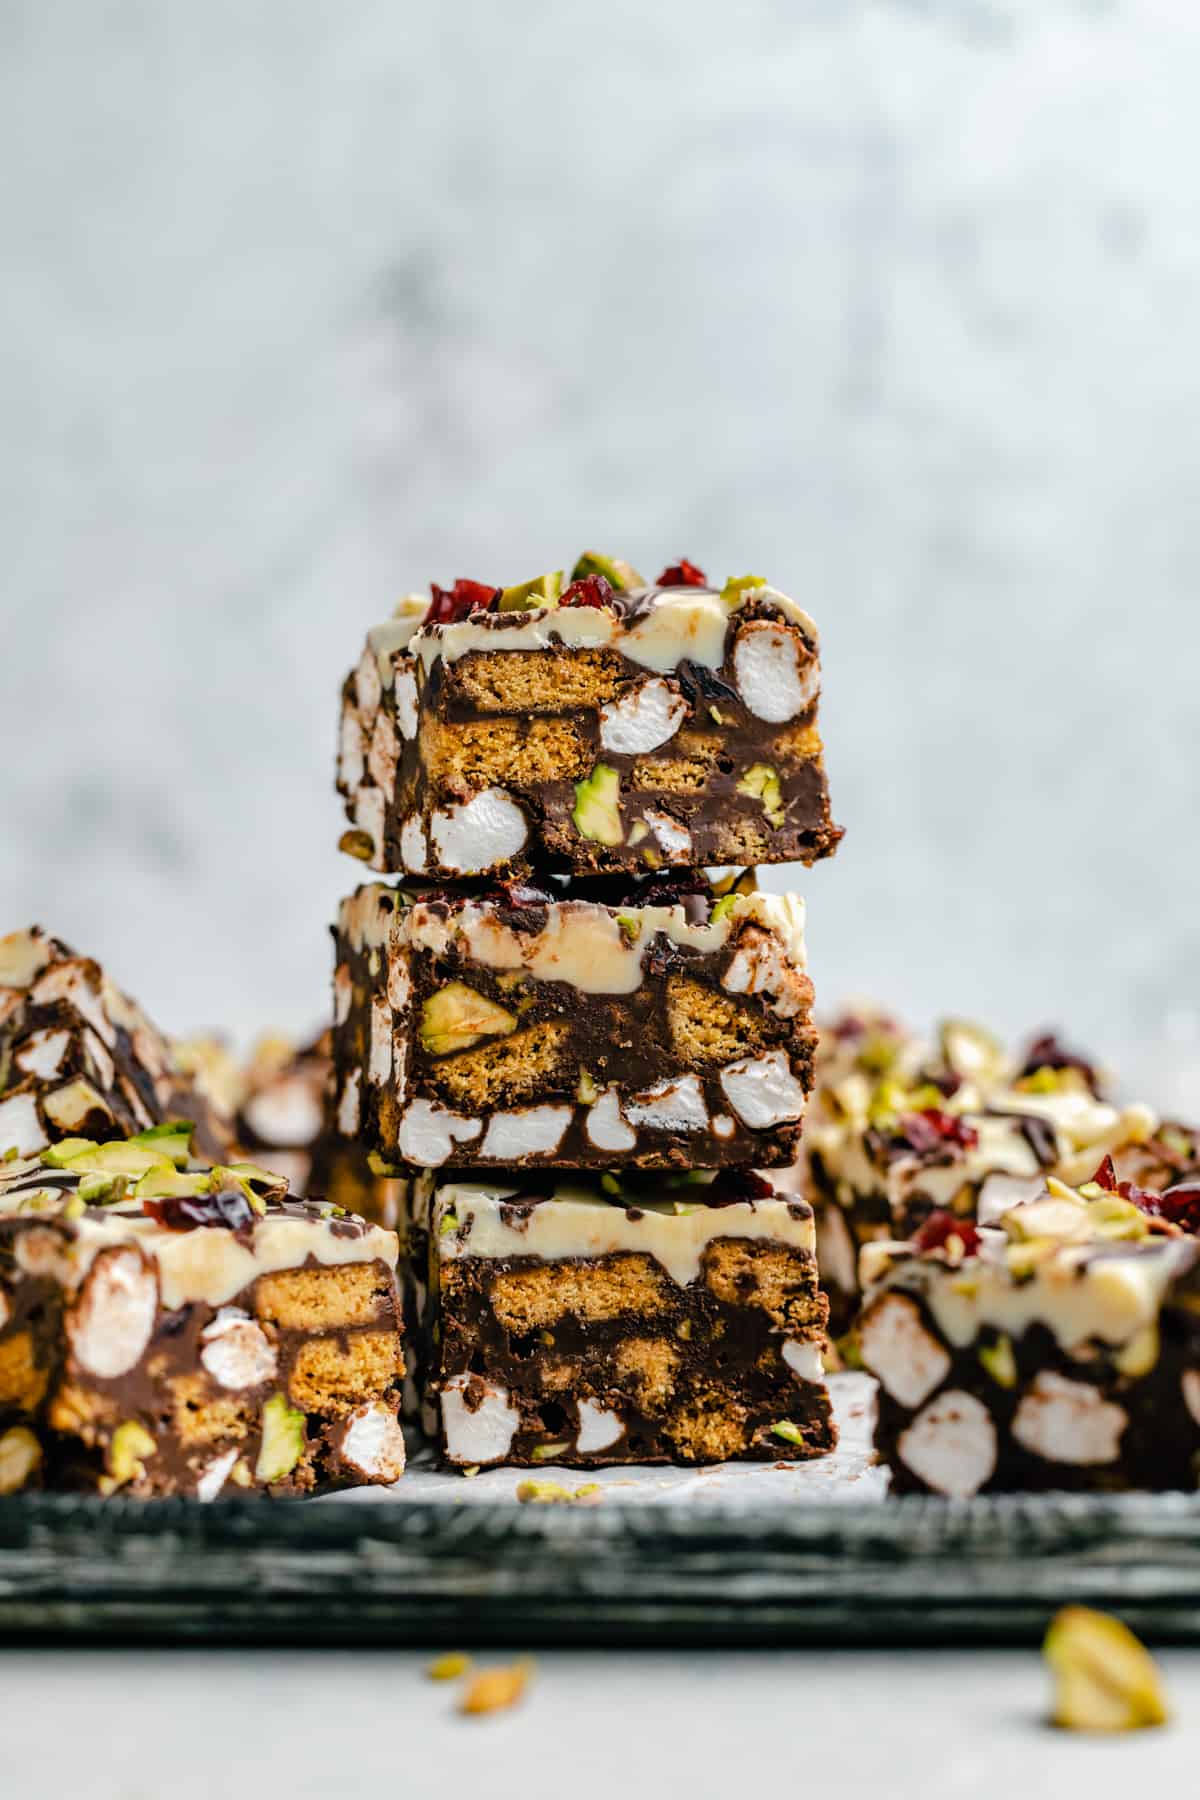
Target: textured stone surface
{"x":892,"y":302}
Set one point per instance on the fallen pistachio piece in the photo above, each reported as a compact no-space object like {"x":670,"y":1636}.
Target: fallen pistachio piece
{"x":542,"y":1493}
{"x":495,"y":1689}
{"x":448,"y":1667}
{"x":357,"y":843}
{"x":1105,"y":1679}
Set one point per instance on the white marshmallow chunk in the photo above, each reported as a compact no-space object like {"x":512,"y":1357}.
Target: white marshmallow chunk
{"x":111,"y":1326}
{"x":215,"y":1474}
{"x":530,"y":1131}
{"x":900,"y":1353}
{"x":804,"y":1360}
{"x":670,"y":1106}
{"x":642,"y":719}
{"x":951,"y":1446}
{"x":763,"y":1091}
{"x":1068,"y":1422}
{"x":483,"y":832}
{"x":598,"y":1428}
{"x":406,"y":701}
{"x":428,"y":1133}
{"x":413,"y":851}
{"x":20,"y":1126}
{"x":768,"y":673}
{"x":482,"y":1436}
{"x":373,"y":1442}
{"x":604,"y":1125}
{"x":236,"y":1350}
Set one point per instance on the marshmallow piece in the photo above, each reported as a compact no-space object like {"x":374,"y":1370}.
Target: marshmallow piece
{"x":530,"y":1131}
{"x":479,"y":1434}
{"x":349,"y":1110}
{"x":42,"y":1055}
{"x":23,"y":956}
{"x":373,"y":1442}
{"x":215,"y":1474}
{"x":905,"y":1358}
{"x":110,"y":1326}
{"x":670,"y":1106}
{"x":674,"y":839}
{"x":236,"y":1350}
{"x":20,"y":1126}
{"x":368,"y":686}
{"x":413,"y":851}
{"x":763,"y":1091}
{"x":428,"y":1133}
{"x":604,"y":1125}
{"x":804,"y":1360}
{"x":951,"y":1446}
{"x":642,"y":719}
{"x":481,"y":833}
{"x":379,"y":1058}
{"x":352,"y":762}
{"x":384,"y":754}
{"x":598,"y":1428}
{"x":406,"y":698}
{"x":1068,"y":1422}
{"x":768,"y":673}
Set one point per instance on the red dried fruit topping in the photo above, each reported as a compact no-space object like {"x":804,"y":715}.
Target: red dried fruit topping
{"x":589,"y":590}
{"x":930,"y":1128}
{"x":682,"y":574}
{"x":1106,"y":1176}
{"x":185,"y":1212}
{"x":940,"y":1227}
{"x":728,"y":1186}
{"x":1178,"y":1206}
{"x":459,"y":601}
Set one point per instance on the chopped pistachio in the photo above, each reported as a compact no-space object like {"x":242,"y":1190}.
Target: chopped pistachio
{"x":548,"y":1452}
{"x":128,"y":1447}
{"x":542,"y":1493}
{"x":1104,"y":1678}
{"x":597,"y":811}
{"x":544,"y":591}
{"x":610,"y":1184}
{"x":739,"y":586}
{"x":722,"y":909}
{"x":448,"y":1667}
{"x":791,"y":1434}
{"x":761,"y":782}
{"x":379,"y":1166}
{"x":630,"y":927}
{"x":1139,"y":1355}
{"x":449,"y":1223}
{"x":359,"y":844}
{"x":457,"y":1017}
{"x":618,"y":573}
{"x":999,"y":1361}
{"x":586,"y":1091}
{"x":282,"y":1443}
{"x":684,"y":1329}
{"x":495,"y":1689}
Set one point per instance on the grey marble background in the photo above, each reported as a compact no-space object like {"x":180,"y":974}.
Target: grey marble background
{"x":894,"y":303}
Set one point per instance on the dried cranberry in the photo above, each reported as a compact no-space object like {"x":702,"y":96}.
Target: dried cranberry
{"x":728,"y":1186}
{"x":185,"y":1212}
{"x":589,"y":590}
{"x":682,"y":574}
{"x":459,"y":601}
{"x":1049,"y":1052}
{"x":1179,"y":1206}
{"x":940,"y":1227}
{"x":1106,"y":1176}
{"x":930,"y":1128}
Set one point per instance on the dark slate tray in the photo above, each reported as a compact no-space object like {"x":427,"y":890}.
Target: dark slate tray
{"x":910,"y":1570}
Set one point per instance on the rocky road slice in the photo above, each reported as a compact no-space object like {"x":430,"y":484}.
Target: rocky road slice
{"x":590,"y":725}
{"x":659,"y":1025}
{"x":170,"y":1330}
{"x":643,"y":1319}
{"x":1059,"y":1348}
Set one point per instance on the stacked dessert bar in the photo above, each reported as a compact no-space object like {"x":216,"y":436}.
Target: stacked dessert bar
{"x":571,"y":1044}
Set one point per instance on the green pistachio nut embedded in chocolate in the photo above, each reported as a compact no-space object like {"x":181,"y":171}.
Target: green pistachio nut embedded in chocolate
{"x":610,"y":1183}
{"x":128,"y":1449}
{"x":455,"y":1017}
{"x":531,"y":594}
{"x":282,"y":1439}
{"x":586,"y":1092}
{"x":761,"y":782}
{"x":379,"y":1165}
{"x":357,"y":843}
{"x":548,"y":1452}
{"x":791,"y":1434}
{"x":999,"y":1361}
{"x":20,"y":1455}
{"x":618,"y":574}
{"x":738,"y":587}
{"x":597,"y":810}
{"x":1105,"y":1680}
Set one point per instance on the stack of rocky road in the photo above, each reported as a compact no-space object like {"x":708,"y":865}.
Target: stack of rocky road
{"x":578,"y":1053}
